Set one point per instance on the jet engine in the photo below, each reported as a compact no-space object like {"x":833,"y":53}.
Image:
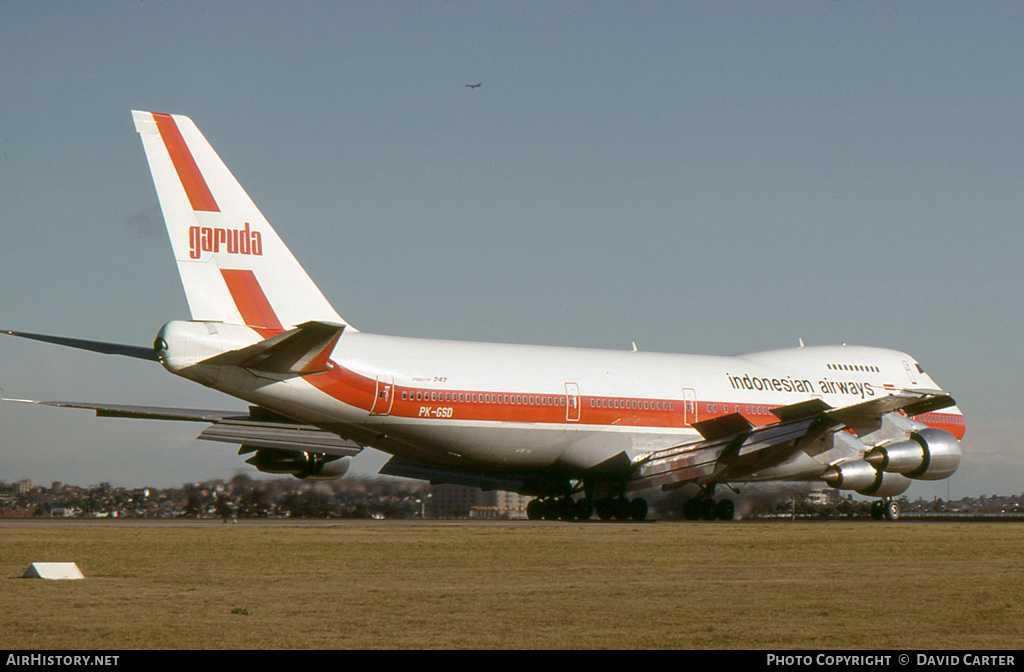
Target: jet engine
{"x":930,"y":455}
{"x":864,"y":479}
{"x":313,"y":466}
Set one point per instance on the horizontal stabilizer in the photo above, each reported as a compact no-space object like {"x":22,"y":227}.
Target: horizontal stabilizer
{"x":303,"y":350}
{"x":95,"y":346}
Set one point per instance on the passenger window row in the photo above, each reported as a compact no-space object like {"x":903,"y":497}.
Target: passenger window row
{"x":483,"y":398}
{"x":854,"y":367}
{"x":633,"y":404}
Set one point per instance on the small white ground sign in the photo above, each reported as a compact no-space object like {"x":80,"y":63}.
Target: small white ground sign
{"x":53,"y":570}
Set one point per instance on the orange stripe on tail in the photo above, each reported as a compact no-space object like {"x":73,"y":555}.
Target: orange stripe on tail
{"x":198,"y":192}
{"x":250,"y":300}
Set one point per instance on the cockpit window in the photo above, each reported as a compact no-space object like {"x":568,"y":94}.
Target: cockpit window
{"x":919,"y":369}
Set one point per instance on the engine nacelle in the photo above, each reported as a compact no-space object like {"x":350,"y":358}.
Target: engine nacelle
{"x":930,"y":455}
{"x":864,"y":479}
{"x":851,"y":475}
{"x":312,"y":466}
{"x":887,"y":485}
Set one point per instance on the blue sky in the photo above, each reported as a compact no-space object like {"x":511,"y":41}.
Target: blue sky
{"x":697,"y":177}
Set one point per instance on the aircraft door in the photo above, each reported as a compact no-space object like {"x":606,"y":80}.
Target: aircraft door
{"x":689,"y":406}
{"x":384,"y":397}
{"x":572,"y":402}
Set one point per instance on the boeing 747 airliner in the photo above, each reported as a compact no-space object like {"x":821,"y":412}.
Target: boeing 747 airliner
{"x":582,"y":430}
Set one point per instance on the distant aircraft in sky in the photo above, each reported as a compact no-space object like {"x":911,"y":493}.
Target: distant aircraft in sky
{"x":472,"y":86}
{"x":582,"y":430}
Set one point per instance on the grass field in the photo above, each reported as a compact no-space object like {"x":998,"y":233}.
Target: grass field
{"x":528,"y":585}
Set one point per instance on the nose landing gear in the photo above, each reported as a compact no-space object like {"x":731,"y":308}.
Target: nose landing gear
{"x":885,"y":509}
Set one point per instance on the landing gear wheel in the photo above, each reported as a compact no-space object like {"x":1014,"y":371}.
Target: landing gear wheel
{"x":638,"y":509}
{"x":605,"y":509}
{"x":548,"y":510}
{"x":725,"y":509}
{"x":877,"y":510}
{"x":583,"y":510}
{"x":892,"y":511}
{"x":691,"y":509}
{"x":622,"y":508}
{"x":564,"y":509}
{"x":534,"y":510}
{"x":708,"y":510}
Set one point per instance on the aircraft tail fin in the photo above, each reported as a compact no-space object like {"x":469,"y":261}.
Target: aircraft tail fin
{"x":234,"y":267}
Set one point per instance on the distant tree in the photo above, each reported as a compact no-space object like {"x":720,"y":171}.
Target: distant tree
{"x":360,"y":510}
{"x":222,"y":505}
{"x":254,"y":504}
{"x":193,"y":506}
{"x":395,"y":510}
{"x":291,"y":503}
{"x":314,"y":504}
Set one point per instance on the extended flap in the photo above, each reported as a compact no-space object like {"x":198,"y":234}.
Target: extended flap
{"x":279,"y":436}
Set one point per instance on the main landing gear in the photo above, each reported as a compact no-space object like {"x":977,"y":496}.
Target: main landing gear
{"x":885,"y":509}
{"x":558,"y":508}
{"x":621,"y":508}
{"x":706,"y":508}
{"x":566,"y":508}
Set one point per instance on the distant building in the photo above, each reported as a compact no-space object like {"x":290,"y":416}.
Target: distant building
{"x":505,"y":505}
{"x":460,"y":501}
{"x":452,"y":501}
{"x":824,"y":496}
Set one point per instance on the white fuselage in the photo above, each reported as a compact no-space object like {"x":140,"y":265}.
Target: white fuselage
{"x":499,"y":407}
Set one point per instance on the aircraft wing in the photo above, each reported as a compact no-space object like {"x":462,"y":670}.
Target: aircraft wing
{"x":732,"y":447}
{"x":255,"y":429}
